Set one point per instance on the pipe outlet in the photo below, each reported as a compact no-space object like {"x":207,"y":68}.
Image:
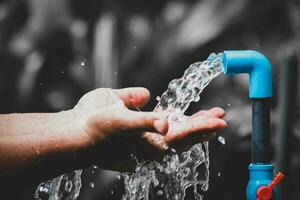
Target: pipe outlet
{"x":256,"y":65}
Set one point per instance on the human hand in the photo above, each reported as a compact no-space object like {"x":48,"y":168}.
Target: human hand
{"x":119,"y":134}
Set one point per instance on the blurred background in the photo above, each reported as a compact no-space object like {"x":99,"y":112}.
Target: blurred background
{"x":54,"y":51}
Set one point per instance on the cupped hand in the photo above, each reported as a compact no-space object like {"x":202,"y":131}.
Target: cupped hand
{"x":121,"y":136}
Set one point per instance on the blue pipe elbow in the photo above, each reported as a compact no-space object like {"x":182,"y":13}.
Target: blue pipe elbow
{"x":256,"y":65}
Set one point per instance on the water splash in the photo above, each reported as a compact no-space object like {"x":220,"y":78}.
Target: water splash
{"x":221,"y":140}
{"x":64,"y":187}
{"x":92,"y":184}
{"x":170,"y":178}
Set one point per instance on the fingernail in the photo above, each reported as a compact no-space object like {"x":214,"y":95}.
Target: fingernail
{"x":224,"y":123}
{"x":160,"y":126}
{"x":217,"y":121}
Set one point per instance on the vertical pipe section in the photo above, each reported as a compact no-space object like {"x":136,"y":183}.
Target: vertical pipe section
{"x":261,"y":130}
{"x":287,"y":101}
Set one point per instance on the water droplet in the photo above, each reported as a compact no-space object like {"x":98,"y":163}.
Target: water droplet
{"x":92,"y":185}
{"x":228,"y":105}
{"x":134,"y":47}
{"x":94,"y":168}
{"x":82,"y":64}
{"x":115,"y":73}
{"x":221,"y":140}
{"x":219,"y":174}
{"x":44,"y":188}
{"x":173,"y":150}
{"x":112,"y":192}
{"x":160,"y":193}
{"x":158,"y":98}
{"x":62,"y":72}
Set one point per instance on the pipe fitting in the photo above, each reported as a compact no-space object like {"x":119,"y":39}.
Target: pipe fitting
{"x":256,"y":65}
{"x":260,"y":175}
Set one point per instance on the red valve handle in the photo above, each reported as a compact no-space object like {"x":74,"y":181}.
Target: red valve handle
{"x":265,"y":192}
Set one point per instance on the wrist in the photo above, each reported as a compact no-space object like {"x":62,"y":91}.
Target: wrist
{"x":78,"y":142}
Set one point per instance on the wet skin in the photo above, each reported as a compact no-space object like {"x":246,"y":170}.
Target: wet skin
{"x":100,"y":130}
{"x":118,"y":132}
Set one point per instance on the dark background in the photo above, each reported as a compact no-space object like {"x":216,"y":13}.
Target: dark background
{"x":54,"y":51}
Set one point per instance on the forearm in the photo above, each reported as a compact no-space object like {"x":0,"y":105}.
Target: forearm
{"x":34,"y":147}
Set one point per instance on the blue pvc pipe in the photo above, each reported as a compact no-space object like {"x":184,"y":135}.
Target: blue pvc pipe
{"x":260,"y":90}
{"x":256,"y":65}
{"x":261,"y":130}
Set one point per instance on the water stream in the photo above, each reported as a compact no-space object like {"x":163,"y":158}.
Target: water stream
{"x":64,"y":187}
{"x":170,"y":178}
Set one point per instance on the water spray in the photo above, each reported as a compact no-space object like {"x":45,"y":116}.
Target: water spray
{"x":170,"y":178}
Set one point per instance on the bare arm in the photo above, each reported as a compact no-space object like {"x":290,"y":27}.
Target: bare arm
{"x":99,"y":130}
{"x":37,"y":146}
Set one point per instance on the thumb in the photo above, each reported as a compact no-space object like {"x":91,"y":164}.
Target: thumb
{"x":128,"y":120}
{"x":134,"y":97}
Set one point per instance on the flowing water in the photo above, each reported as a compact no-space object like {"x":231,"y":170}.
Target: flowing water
{"x":170,"y":178}
{"x":64,"y":187}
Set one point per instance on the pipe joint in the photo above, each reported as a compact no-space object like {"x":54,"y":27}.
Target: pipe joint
{"x":256,"y":65}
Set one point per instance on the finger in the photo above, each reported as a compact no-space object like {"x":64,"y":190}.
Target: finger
{"x":200,"y":113}
{"x":134,"y":97}
{"x":214,"y":112}
{"x":134,"y":121}
{"x":156,"y":141}
{"x":194,"y":128}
